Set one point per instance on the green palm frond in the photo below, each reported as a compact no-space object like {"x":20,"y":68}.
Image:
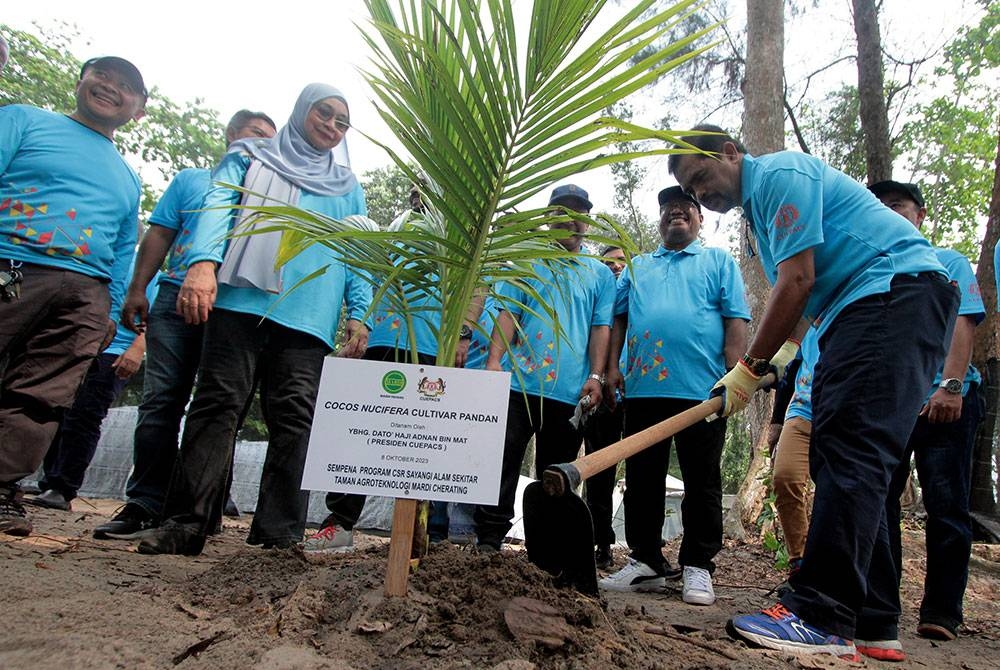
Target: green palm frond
{"x":489,"y":118}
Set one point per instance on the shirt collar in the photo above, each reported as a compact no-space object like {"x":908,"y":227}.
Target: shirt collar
{"x":746,"y":181}
{"x":693,"y":248}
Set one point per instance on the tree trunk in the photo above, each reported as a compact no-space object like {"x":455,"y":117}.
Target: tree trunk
{"x":985,"y":358}
{"x":871,"y":92}
{"x":763,"y":132}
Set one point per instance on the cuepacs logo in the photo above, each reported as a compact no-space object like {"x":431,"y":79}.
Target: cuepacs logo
{"x":431,"y":388}
{"x":786,"y":216}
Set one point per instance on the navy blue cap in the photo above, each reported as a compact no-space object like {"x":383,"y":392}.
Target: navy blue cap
{"x":560,"y":194}
{"x":910,"y":190}
{"x":675,"y":193}
{"x":121,"y":65}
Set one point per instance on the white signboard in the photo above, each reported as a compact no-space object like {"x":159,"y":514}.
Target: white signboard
{"x":408,"y":431}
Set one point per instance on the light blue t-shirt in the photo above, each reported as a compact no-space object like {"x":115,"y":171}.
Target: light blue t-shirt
{"x":177,"y":210}
{"x":390,"y":329}
{"x":582,"y":293}
{"x":312,"y":307}
{"x":479,"y":346}
{"x":960,"y":271}
{"x":67,"y":198}
{"x":676,"y":302}
{"x":796,"y":202}
{"x":801,"y":403}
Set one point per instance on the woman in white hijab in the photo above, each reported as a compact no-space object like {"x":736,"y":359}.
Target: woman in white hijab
{"x":260,"y":328}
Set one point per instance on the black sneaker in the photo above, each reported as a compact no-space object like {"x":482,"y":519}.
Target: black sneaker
{"x":131,"y":523}
{"x":231,"y":510}
{"x":51,"y":499}
{"x":670,"y":573}
{"x":172,"y":538}
{"x":13,"y":519}
{"x":603,"y":557}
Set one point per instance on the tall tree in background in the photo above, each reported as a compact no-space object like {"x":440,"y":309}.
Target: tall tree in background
{"x":871,"y":90}
{"x":387,"y":192}
{"x":985,"y":355}
{"x":763,"y":132}
{"x":172,"y":136}
{"x":629,"y":177}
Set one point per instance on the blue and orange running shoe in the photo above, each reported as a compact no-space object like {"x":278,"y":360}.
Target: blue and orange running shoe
{"x":777,"y":628}
{"x":882,"y":650}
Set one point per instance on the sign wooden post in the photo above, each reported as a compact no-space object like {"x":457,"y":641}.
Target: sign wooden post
{"x":404,"y":514}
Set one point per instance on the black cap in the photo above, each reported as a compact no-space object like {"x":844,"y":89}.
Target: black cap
{"x":889,"y":186}
{"x":121,"y":65}
{"x":570,"y":192}
{"x":675,"y":193}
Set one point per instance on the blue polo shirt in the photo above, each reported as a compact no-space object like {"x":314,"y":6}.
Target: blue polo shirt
{"x":800,"y":406}
{"x":390,"y":327}
{"x":68,"y":200}
{"x":960,"y":271}
{"x":177,"y":210}
{"x":312,"y":307}
{"x":479,"y":346}
{"x":797,"y":202}
{"x":582,"y":293}
{"x":676,"y":302}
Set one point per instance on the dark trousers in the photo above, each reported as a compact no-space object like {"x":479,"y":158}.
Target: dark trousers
{"x":49,"y":338}
{"x":238,"y":347}
{"x":699,"y":453}
{"x":345,"y":508}
{"x":556,"y":441}
{"x":69,"y":456}
{"x":173,"y":350}
{"x":943,"y":453}
{"x":877,"y":361}
{"x":604,"y":428}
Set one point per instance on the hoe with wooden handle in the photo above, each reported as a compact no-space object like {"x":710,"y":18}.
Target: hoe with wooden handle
{"x":558,"y":530}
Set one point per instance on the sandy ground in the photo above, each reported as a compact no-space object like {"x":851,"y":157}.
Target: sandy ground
{"x":74,"y":602}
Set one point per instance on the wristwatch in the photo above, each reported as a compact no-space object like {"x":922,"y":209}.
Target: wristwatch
{"x":953,"y":386}
{"x":600,"y":379}
{"x":465,"y":333}
{"x":758,"y":366}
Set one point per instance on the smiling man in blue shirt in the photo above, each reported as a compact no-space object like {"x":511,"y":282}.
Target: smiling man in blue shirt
{"x":683,"y":312}
{"x":69,"y":207}
{"x":883,"y":307}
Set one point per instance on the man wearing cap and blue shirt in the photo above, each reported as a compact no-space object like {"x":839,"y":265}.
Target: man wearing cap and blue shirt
{"x":69,"y":207}
{"x":551,"y":373}
{"x":682,"y":309}
{"x":942,"y":442}
{"x":883,"y":307}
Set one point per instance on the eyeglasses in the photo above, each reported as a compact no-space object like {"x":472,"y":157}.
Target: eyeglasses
{"x":325,"y":112}
{"x":118,"y":82}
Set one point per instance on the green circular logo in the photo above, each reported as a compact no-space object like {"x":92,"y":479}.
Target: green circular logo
{"x":394,"y":381}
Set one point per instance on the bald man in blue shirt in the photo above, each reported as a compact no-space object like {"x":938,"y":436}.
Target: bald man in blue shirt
{"x":883,"y":307}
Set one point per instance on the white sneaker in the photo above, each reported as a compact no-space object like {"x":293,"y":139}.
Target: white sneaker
{"x":635,"y":576}
{"x":330,"y":540}
{"x":697,"y":586}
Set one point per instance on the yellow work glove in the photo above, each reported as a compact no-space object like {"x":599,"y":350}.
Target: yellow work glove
{"x":735,"y":387}
{"x":785,"y":355}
